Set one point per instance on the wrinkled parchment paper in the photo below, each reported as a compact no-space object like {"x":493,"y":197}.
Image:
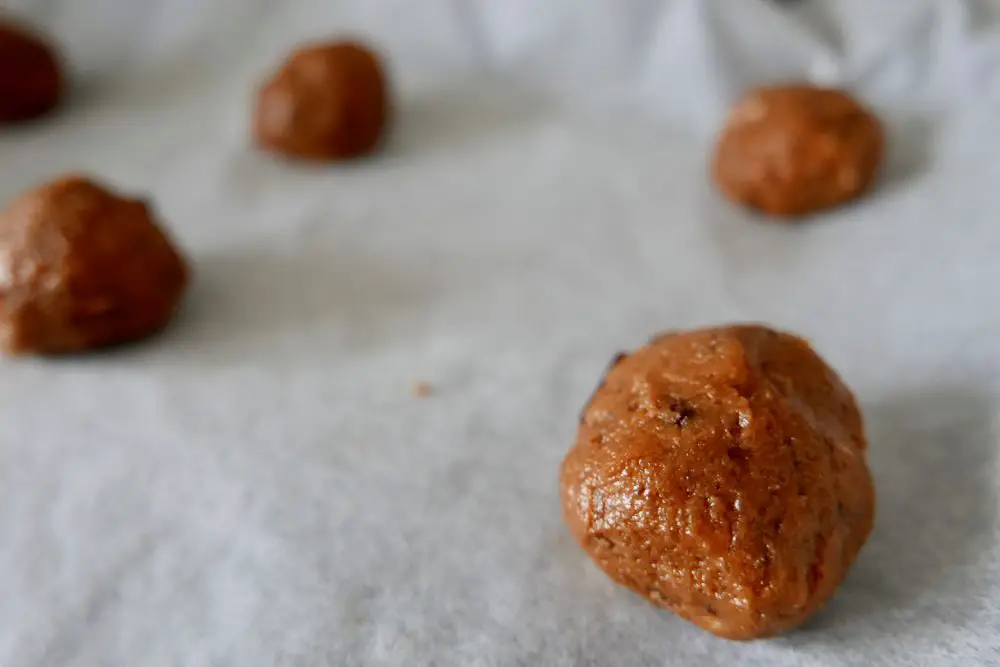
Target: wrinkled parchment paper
{"x":259,"y":487}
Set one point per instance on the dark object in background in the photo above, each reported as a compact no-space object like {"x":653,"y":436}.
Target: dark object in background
{"x":82,"y":268}
{"x":326,"y":102}
{"x":721,"y":474}
{"x":795,"y":149}
{"x":31,"y":78}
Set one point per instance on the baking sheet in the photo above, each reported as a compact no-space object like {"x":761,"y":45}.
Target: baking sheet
{"x":258,"y":486}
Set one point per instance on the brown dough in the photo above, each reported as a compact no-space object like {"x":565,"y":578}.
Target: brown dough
{"x":721,"y":474}
{"x":31,"y":79}
{"x":80,"y":268}
{"x":795,"y":149}
{"x":326,"y":102}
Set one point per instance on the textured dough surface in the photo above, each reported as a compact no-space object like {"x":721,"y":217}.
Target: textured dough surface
{"x":721,"y":474}
{"x":795,"y":149}
{"x":81,"y":267}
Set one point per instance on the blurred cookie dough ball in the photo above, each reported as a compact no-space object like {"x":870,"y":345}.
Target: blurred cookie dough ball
{"x":31,"y":78}
{"x":82,"y":267}
{"x":791,"y":150}
{"x":325,"y":102}
{"x":721,"y":474}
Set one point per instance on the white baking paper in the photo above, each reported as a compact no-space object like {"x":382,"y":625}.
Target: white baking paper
{"x":259,"y":487}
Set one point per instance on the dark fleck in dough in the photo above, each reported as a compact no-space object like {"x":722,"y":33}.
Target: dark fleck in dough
{"x":791,"y":150}
{"x":326,"y":102}
{"x":721,"y":474}
{"x":31,"y":79}
{"x":81,"y":268}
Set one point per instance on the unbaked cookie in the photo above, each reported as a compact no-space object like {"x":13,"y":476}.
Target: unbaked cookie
{"x":721,"y":474}
{"x":31,"y":79}
{"x":791,"y":150}
{"x":81,"y":268}
{"x":326,"y":102}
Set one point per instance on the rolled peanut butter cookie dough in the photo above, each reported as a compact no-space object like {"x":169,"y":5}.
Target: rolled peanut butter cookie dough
{"x":82,"y":267}
{"x":790,"y":150}
{"x":721,"y":474}
{"x":31,"y":78}
{"x":326,"y":102}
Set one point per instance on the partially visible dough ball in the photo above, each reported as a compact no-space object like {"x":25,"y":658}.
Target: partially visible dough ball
{"x":721,"y":474}
{"x":31,"y":79}
{"x":82,"y":268}
{"x":791,"y":150}
{"x":326,"y":102}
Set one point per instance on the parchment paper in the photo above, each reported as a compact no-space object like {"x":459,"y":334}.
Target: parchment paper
{"x":258,"y":486}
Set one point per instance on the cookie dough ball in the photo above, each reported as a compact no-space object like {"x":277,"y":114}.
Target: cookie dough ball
{"x":31,"y":79}
{"x":81,"y":268}
{"x":721,"y":474}
{"x":795,"y":149}
{"x":326,"y":102}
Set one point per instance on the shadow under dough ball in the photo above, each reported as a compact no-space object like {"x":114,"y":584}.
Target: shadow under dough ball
{"x":82,"y":268}
{"x":31,"y":78}
{"x":326,"y":102}
{"x":791,"y":150}
{"x":721,"y":474}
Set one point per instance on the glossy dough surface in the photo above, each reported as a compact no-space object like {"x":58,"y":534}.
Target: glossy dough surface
{"x":795,"y":149}
{"x":721,"y":474}
{"x":81,"y":267}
